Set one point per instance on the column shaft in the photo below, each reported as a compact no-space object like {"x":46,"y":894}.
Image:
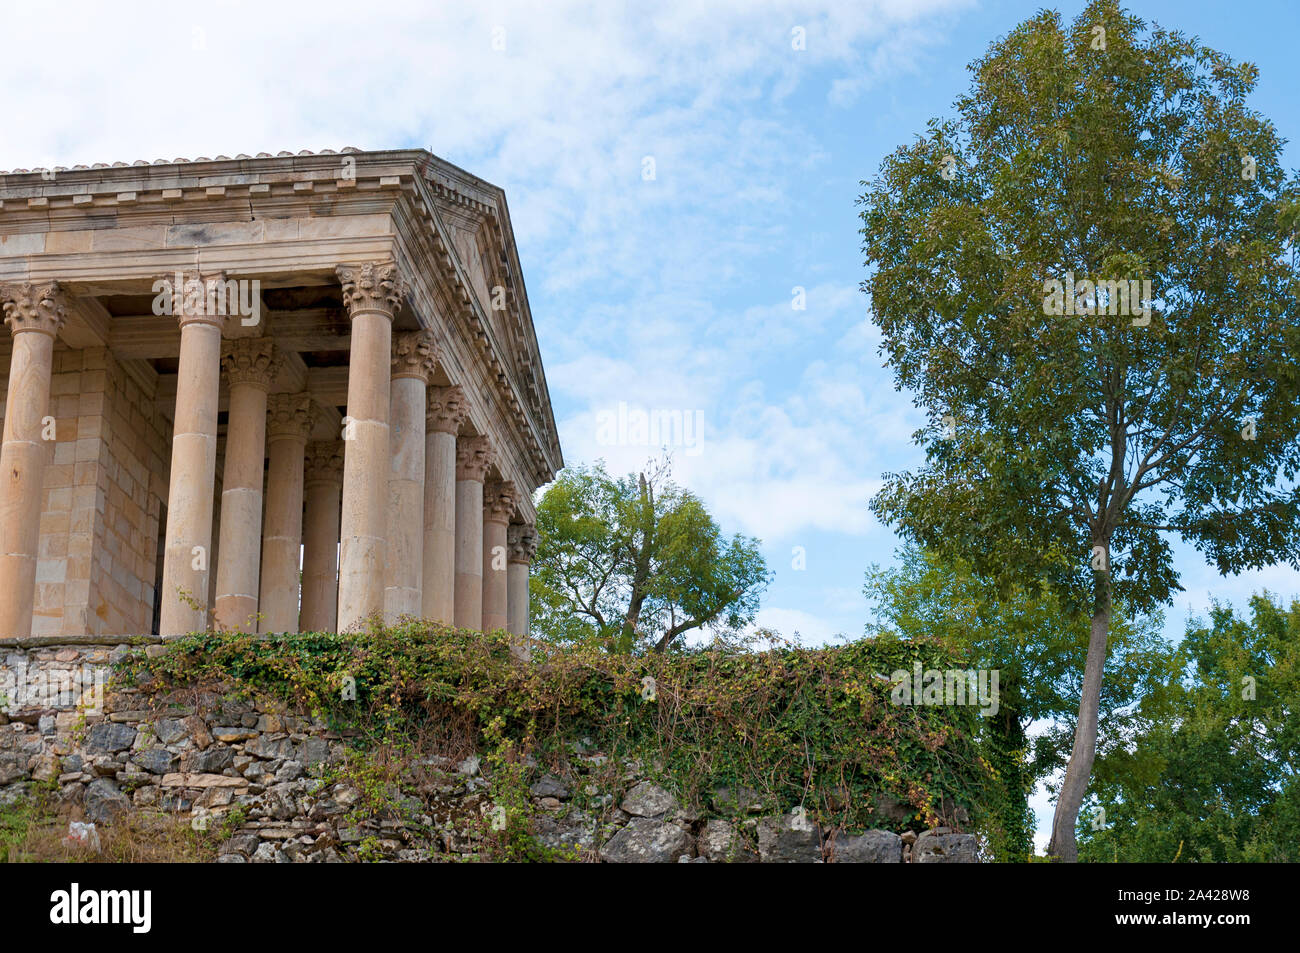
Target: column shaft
{"x":290,"y":423}
{"x":193,"y":475}
{"x":446,"y":412}
{"x":412,"y":363}
{"x":34,"y":315}
{"x":473,"y":456}
{"x":250,"y":365}
{"x":517,"y":598}
{"x":371,"y":293}
{"x":498,"y":508}
{"x":522,"y":543}
{"x":320,"y":537}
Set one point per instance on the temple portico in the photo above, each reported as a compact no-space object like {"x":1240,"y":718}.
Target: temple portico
{"x":282,"y":393}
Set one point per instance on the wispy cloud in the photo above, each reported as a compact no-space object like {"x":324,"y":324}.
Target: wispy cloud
{"x":667,"y":167}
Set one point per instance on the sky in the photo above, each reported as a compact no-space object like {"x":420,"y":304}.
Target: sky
{"x":680,"y":181}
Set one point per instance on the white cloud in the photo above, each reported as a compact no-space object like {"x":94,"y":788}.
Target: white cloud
{"x":1202,"y":584}
{"x":809,"y":629}
{"x":643,"y":291}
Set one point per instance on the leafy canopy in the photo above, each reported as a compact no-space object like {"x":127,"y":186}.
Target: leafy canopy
{"x":637,"y":562}
{"x":1106,"y":158}
{"x":1210,"y":772}
{"x":1038,"y":645}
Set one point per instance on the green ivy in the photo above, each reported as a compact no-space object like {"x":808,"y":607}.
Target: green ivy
{"x":798,"y":727}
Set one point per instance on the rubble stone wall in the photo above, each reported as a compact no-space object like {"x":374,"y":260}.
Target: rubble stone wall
{"x":271,"y":779}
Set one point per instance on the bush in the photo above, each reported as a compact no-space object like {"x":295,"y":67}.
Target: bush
{"x":795,"y":726}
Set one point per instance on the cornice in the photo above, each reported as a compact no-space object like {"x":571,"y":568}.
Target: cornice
{"x":463,"y":308}
{"x":266,"y":188}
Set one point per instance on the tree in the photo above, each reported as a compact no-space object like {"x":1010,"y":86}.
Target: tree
{"x":1067,"y":448}
{"x":1211,"y":774}
{"x":637,"y":561}
{"x":1039,"y":647}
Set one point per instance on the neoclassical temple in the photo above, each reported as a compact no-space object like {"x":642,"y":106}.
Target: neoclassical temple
{"x":281,"y":393}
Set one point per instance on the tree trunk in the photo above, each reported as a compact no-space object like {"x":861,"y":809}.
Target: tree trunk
{"x":641,"y":568}
{"x":1079,"y":770}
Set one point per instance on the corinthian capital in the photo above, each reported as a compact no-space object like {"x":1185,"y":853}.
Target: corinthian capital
{"x":499,"y":499}
{"x":414,"y":355}
{"x":473,"y":457}
{"x":521,"y":543}
{"x":197,"y":299}
{"x":289,"y":415}
{"x":251,"y":361}
{"x":40,"y":307}
{"x":324,"y":461}
{"x":372,"y":286}
{"x":446,"y":409}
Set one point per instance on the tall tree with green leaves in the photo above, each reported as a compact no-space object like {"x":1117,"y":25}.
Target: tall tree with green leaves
{"x":1039,"y":648}
{"x":637,"y":562}
{"x":1088,"y":279}
{"x":1212,"y":772}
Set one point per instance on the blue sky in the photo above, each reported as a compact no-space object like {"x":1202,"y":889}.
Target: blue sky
{"x":665,"y":293}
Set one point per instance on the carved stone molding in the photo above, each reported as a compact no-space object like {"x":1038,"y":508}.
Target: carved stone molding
{"x":521,"y":543}
{"x":289,"y":415}
{"x":251,"y":361}
{"x":324,"y":462}
{"x":446,"y":409}
{"x":200,"y":299}
{"x":372,"y":286}
{"x":499,"y":499}
{"x":35,"y":307}
{"x":414,"y":355}
{"x":473,"y":457}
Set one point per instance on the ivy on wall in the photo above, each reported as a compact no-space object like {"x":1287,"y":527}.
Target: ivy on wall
{"x":783,"y":729}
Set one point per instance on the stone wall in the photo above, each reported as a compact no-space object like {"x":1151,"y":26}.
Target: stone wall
{"x":133,"y":482}
{"x":271,"y":779}
{"x":103,"y":488}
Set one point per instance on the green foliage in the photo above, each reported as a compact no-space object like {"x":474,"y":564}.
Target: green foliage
{"x":1077,"y":430}
{"x":1028,"y":632}
{"x":1058,"y":436}
{"x":795,"y":726}
{"x":19,"y":817}
{"x":636,"y":562}
{"x":229,"y":823}
{"x":1038,"y":647}
{"x":1209,"y":774}
{"x":507,"y":824}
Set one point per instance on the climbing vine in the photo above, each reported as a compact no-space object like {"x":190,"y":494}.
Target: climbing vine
{"x":792,"y":727}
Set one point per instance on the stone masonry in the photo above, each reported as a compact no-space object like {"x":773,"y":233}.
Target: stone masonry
{"x":262,"y":773}
{"x":226,"y":379}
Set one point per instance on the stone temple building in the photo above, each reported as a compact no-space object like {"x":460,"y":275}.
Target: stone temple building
{"x":283,"y":393}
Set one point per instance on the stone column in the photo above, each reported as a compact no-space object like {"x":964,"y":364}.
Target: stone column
{"x":498,"y":509}
{"x":446,"y":412}
{"x":414,"y":357}
{"x":323,"y":479}
{"x":473,"y":457}
{"x":34,"y":313}
{"x":371,"y":293}
{"x":291,"y":419}
{"x":250,"y":365}
{"x":193,"y":470}
{"x":521,"y":540}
